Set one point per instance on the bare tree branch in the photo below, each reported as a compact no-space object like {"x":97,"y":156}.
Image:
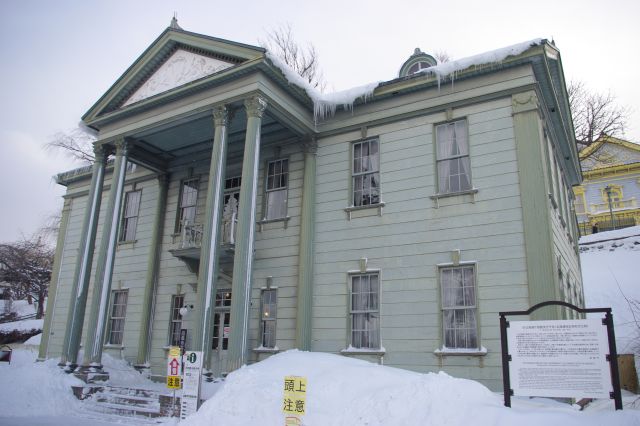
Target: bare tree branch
{"x":303,"y":60}
{"x":595,"y":114}
{"x":77,"y":143}
{"x":442,"y":56}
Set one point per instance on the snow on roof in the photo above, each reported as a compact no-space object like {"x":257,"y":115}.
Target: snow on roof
{"x":451,"y":68}
{"x":326,"y":103}
{"x":610,"y":235}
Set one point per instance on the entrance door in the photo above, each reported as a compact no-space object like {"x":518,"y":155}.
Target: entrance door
{"x":221,"y":331}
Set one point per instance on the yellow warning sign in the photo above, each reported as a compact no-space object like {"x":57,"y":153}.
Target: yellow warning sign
{"x":173,"y":382}
{"x":174,"y":351}
{"x":295,"y":395}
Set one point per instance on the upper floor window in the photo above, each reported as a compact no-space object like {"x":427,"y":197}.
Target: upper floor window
{"x":613,"y":193}
{"x":268,"y":315}
{"x":276,"y":189}
{"x":130,"y":215}
{"x":117,"y":317}
{"x":454,"y":167}
{"x":459,"y":322}
{"x":187,"y":203}
{"x":365,"y":311}
{"x":365,"y":173}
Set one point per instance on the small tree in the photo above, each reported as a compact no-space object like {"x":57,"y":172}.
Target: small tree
{"x":303,"y":60}
{"x":595,"y":114}
{"x":26,"y":267}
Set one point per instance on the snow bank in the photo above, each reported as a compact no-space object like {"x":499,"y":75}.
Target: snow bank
{"x":345,"y":391}
{"x":24,"y":325}
{"x":611,"y":235}
{"x":610,"y":278}
{"x":35,"y":388}
{"x":34,"y":340}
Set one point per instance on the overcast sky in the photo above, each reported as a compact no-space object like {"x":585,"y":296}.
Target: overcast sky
{"x":59,"y":57}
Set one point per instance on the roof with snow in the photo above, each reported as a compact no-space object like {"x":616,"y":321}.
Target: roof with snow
{"x":609,"y":152}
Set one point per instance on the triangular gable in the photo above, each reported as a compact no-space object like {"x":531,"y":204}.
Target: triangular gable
{"x":182,"y":67}
{"x":174,"y":59}
{"x":609,"y":152}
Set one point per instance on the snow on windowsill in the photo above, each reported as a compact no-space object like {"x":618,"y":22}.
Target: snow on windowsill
{"x":264,"y":349}
{"x":443,"y":351}
{"x":363,"y":351}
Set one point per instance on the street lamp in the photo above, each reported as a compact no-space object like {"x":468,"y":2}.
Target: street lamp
{"x":608,"y":190}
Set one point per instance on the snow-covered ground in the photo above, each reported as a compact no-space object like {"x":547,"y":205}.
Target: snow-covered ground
{"x":611,"y":278}
{"x":345,"y":391}
{"x":340,"y":391}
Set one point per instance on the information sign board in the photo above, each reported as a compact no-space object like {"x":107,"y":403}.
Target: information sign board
{"x":191,"y":383}
{"x":173,"y":368}
{"x":566,"y":358}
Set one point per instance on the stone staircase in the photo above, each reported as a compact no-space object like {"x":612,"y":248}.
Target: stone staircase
{"x":143,"y":405}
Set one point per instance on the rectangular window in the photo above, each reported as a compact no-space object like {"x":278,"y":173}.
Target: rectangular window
{"x":276,"y":189}
{"x":268,"y":315}
{"x":175,"y":325}
{"x":452,"y":157}
{"x":118,"y":314}
{"x":365,"y":311}
{"x":365,"y":173}
{"x":187,"y":203}
{"x":460,"y":326}
{"x":130,"y":216}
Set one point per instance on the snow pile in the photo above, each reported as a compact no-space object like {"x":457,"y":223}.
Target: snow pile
{"x":450,"y":69}
{"x":34,"y":340}
{"x":22,"y":308}
{"x":610,"y":278}
{"x":35,"y":388}
{"x":345,"y":391}
{"x":24,"y":325}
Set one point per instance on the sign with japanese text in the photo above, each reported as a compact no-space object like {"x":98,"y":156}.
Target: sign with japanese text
{"x":191,"y":383}
{"x":295,"y":395}
{"x":565,"y":358}
{"x":173,"y":368}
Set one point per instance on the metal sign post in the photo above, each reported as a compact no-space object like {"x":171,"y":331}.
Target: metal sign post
{"x":540,"y":358}
{"x":191,"y":383}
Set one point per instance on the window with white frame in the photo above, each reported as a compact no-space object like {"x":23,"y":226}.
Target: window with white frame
{"x":187,"y":203}
{"x":452,"y":157}
{"x":276,"y":186}
{"x":268,"y":316}
{"x":118,"y":314}
{"x":130,"y":215}
{"x":459,"y":312}
{"x":365,"y":311}
{"x":175,"y":324}
{"x":365,"y":173}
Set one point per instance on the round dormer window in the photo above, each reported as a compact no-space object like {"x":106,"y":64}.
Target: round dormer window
{"x":417,"y":62}
{"x":418,"y":67}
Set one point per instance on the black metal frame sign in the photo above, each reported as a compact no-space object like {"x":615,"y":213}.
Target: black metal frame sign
{"x":611,"y":357}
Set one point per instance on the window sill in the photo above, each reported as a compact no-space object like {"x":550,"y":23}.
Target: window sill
{"x":352,"y":209}
{"x":263,"y":350}
{"x":437,"y":197}
{"x":460,"y":352}
{"x":127,"y":244}
{"x":112,"y":346}
{"x":363,"y":351}
{"x":263,"y":222}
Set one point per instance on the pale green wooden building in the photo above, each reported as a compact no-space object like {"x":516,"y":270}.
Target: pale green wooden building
{"x":393,"y":231}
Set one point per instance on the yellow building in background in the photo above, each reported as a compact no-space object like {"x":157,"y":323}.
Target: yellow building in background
{"x":608,"y":196}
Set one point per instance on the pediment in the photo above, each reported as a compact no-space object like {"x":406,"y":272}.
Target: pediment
{"x":176,"y":59}
{"x":180,"y":68}
{"x":609,"y":153}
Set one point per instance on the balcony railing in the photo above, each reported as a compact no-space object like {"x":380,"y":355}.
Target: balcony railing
{"x":191,"y":235}
{"x":631,"y":203}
